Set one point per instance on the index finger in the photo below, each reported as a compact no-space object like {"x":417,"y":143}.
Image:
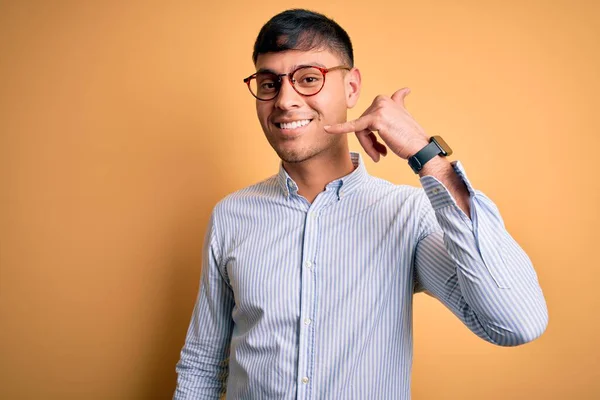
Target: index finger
{"x":356,"y":125}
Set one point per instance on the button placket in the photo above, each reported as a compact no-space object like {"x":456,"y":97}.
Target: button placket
{"x":308,"y":299}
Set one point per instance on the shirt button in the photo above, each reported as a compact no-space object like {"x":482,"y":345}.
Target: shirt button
{"x":308,"y":264}
{"x":305,"y":379}
{"x":436,"y":191}
{"x":307,"y":321}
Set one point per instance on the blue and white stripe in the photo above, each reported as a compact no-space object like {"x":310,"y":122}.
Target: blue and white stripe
{"x":314,"y":301}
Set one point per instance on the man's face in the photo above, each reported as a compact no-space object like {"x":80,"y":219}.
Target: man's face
{"x":329,"y":106}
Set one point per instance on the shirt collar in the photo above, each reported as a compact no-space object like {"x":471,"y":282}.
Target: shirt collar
{"x":343,"y":186}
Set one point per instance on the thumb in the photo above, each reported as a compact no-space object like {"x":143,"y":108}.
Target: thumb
{"x":399,"y":96}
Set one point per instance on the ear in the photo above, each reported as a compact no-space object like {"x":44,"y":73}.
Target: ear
{"x":352,"y":84}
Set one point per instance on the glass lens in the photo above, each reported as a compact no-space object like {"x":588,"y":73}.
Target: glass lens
{"x":265,"y":85}
{"x":308,"y":80}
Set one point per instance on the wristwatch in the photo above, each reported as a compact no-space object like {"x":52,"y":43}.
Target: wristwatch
{"x":436,"y":147}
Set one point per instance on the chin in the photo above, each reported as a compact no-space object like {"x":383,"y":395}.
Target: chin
{"x":295,"y":156}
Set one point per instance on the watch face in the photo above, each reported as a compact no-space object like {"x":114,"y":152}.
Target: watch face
{"x":440,"y":142}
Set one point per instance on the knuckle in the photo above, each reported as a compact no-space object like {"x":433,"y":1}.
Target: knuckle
{"x":380,"y":112}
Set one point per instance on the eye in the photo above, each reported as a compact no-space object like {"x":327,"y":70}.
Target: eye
{"x":309,"y":77}
{"x":267,"y":85}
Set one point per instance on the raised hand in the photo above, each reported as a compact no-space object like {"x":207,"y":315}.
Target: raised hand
{"x":394,"y":124}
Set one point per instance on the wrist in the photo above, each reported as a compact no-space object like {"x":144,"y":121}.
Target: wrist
{"x":438,"y":166}
{"x":416,"y":146}
{"x":434,"y":149}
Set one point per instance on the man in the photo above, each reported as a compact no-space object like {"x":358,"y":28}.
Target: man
{"x":308,"y":276}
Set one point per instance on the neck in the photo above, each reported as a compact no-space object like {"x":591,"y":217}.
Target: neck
{"x":314,"y":174}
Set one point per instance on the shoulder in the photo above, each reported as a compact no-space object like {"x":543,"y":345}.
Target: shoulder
{"x":408,"y":204}
{"x":397,"y":194}
{"x":248,"y":197}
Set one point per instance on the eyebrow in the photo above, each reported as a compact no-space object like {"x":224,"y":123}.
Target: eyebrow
{"x":294,"y":67}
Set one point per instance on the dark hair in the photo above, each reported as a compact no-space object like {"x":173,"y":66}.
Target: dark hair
{"x":299,"y":29}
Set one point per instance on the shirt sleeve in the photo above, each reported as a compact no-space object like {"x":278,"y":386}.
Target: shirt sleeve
{"x":475,"y":268}
{"x":203,"y":368}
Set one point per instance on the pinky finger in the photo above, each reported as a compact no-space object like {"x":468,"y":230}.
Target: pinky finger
{"x":380,"y":147}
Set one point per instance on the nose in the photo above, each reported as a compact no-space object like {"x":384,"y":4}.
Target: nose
{"x":288,"y":98}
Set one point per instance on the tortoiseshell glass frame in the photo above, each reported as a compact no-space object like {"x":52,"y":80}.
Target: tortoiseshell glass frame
{"x":324,"y":71}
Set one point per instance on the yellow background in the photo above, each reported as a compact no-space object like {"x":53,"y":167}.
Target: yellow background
{"x":122,"y":124}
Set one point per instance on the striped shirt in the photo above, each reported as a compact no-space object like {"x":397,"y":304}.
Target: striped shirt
{"x":314,"y":301}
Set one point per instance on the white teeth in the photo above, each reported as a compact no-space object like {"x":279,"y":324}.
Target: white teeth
{"x":294,"y":124}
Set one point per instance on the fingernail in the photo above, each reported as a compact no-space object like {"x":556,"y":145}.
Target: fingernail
{"x":327,"y":126}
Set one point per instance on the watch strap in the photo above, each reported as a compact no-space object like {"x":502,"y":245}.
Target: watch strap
{"x":417,"y":161}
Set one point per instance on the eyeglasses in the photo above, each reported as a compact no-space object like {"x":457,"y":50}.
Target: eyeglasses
{"x":306,"y":80}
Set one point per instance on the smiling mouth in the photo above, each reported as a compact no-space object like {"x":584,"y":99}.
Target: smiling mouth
{"x":293,"y":125}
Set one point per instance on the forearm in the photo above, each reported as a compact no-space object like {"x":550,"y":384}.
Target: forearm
{"x":497,"y":296}
{"x":202,"y":371}
{"x":476,"y":268}
{"x":440,"y":168}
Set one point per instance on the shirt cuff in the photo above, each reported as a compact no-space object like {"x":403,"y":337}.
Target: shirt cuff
{"x":438,"y":194}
